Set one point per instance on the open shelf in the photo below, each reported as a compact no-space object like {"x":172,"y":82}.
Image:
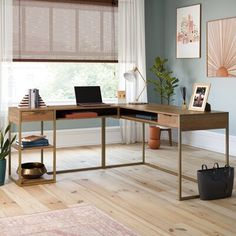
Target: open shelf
{"x":133,"y":118}
{"x":100,"y":112}
{"x":45,"y":179}
{"x":142,"y":116}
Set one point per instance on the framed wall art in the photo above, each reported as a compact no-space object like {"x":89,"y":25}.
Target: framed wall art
{"x":221,"y":48}
{"x":188,"y":32}
{"x":199,"y":96}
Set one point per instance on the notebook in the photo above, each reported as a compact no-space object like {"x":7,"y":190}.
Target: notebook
{"x":88,"y":96}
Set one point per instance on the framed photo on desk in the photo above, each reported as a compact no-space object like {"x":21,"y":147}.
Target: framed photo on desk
{"x":199,"y":96}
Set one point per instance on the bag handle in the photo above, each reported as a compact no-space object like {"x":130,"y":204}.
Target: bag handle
{"x":204,"y":167}
{"x":216,"y":165}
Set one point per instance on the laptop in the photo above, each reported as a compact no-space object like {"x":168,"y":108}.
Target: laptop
{"x":88,"y":96}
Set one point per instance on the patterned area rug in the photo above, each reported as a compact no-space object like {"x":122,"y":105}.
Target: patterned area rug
{"x":82,"y":220}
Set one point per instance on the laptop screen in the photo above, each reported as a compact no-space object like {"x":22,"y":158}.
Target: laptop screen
{"x":88,"y":94}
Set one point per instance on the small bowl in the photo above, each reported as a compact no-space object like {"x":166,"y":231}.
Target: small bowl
{"x":32,"y":170}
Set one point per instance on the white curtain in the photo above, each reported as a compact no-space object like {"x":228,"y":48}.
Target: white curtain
{"x":6,"y":88}
{"x":131,"y":53}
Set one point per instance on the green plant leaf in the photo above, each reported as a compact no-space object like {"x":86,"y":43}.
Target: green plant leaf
{"x":7,"y":129}
{"x":6,"y":146}
{"x":13,"y":139}
{"x":5,"y":143}
{"x":164,"y":83}
{"x":2,"y":139}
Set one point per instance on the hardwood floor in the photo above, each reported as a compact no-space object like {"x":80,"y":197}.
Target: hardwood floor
{"x":140,"y":197}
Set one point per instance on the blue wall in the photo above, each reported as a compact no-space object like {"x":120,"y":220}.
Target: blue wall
{"x":154,"y":38}
{"x":223,"y":92}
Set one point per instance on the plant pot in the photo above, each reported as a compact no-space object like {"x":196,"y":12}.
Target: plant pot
{"x":2,"y":171}
{"x":154,"y":132}
{"x":154,"y":143}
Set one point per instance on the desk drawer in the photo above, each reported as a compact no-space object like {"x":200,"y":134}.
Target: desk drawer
{"x":37,"y":115}
{"x":168,"y":120}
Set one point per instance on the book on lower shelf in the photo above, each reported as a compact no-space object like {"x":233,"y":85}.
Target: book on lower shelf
{"x":32,"y":138}
{"x":36,"y":143}
{"x":146,"y":117}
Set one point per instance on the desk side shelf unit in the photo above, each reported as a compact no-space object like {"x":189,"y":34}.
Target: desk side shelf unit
{"x":18,"y":116}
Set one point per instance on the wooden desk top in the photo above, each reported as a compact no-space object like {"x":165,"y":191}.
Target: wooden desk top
{"x":155,"y":108}
{"x":165,"y":115}
{"x":166,"y":109}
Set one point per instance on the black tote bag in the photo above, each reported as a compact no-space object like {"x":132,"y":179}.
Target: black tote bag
{"x":215,"y":183}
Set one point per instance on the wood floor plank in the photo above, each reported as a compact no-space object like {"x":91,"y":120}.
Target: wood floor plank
{"x":142,"y":198}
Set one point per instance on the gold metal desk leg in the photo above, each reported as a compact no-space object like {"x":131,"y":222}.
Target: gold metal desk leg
{"x":19,"y":151}
{"x":143,"y":140}
{"x":42,"y":128}
{"x":103,"y":133}
{"x":227,"y":145}
{"x":180,"y":164}
{"x":9,"y":156}
{"x":54,"y":147}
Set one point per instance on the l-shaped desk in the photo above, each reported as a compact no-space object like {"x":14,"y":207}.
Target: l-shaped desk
{"x":171,"y":116}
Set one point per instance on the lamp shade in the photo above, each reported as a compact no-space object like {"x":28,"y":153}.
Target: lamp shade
{"x":130,"y":75}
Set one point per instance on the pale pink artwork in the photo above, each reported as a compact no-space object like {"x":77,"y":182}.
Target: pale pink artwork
{"x":221,"y":48}
{"x":188,"y":32}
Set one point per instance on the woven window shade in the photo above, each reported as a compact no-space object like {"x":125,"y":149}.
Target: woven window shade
{"x":65,"y":30}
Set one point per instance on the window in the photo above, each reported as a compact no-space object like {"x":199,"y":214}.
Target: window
{"x":60,"y":44}
{"x":56,"y":81}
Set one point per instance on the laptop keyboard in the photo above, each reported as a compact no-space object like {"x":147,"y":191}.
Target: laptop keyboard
{"x":92,"y":104}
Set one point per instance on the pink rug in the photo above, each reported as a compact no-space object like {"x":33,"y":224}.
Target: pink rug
{"x":82,"y":220}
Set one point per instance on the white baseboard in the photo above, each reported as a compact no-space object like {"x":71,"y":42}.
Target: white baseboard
{"x":82,"y":137}
{"x":207,"y":140}
{"x":92,"y":136}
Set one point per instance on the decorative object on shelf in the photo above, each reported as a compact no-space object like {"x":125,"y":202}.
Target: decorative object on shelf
{"x":154,"y":137}
{"x":32,"y":170}
{"x":164,"y":83}
{"x":215,"y":183}
{"x":32,"y":100}
{"x":199,"y":96}
{"x":208,"y":107}
{"x":121,"y":96}
{"x":221,"y":48}
{"x":188,"y":32}
{"x":131,"y":76}
{"x":183,"y":93}
{"x":5,"y":146}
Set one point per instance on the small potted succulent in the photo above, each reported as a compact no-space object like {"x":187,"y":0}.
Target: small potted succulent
{"x":5,"y":145}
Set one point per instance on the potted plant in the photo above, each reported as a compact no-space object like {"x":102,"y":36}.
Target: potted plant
{"x":5,"y":145}
{"x":164,"y":83}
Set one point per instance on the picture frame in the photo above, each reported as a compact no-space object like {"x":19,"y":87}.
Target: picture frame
{"x":221,"y":48}
{"x":199,"y":96}
{"x":188,"y":31}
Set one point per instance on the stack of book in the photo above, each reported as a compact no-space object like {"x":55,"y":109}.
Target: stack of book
{"x":33,"y":141}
